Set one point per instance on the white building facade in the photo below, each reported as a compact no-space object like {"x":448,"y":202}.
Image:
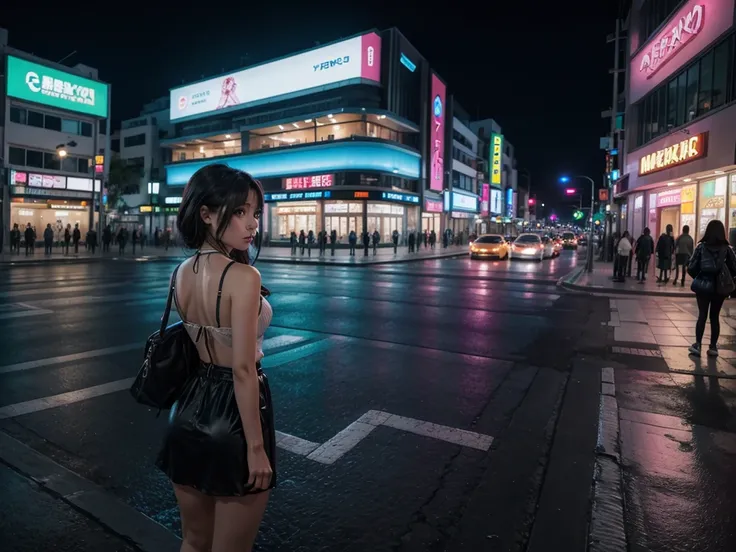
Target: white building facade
{"x":54,"y":140}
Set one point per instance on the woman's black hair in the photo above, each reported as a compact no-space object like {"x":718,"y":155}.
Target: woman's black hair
{"x":715,"y":234}
{"x":221,"y":189}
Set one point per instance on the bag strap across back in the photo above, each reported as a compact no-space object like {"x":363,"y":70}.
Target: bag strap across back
{"x":169,"y":299}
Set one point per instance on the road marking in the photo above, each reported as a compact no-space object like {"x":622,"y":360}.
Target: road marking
{"x":24,"y":314}
{"x":45,"y":403}
{"x":69,"y":358}
{"x":294,"y":444}
{"x":334,"y":449}
{"x":270,"y":343}
{"x":347,"y":439}
{"x":273,"y":361}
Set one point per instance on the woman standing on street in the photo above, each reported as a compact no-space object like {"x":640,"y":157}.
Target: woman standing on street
{"x":710,"y":257}
{"x":665,"y":248}
{"x":220,"y":443}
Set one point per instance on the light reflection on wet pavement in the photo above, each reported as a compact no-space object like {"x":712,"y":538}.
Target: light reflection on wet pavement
{"x":678,"y":439}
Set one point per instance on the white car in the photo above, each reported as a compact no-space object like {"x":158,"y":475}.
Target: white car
{"x":528,"y":246}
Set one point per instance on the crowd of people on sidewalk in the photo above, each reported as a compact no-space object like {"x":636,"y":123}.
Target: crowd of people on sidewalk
{"x":668,"y":252}
{"x":711,"y":265}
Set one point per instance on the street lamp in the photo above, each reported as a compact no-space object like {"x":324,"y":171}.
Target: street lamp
{"x":61,"y":148}
{"x":589,"y":261}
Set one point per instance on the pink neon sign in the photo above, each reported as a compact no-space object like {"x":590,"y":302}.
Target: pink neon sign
{"x":485,"y":200}
{"x":694,"y":27}
{"x":370,"y":65}
{"x":437,"y":134}
{"x":304,"y":182}
{"x":431,"y":206}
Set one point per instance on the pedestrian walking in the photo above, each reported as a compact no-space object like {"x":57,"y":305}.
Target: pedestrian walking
{"x":712,"y":268}
{"x":683,"y":251}
{"x":333,"y":242}
{"x":624,"y":252}
{"x":106,"y":239}
{"x":302,"y":241}
{"x":48,"y":239}
{"x":310,"y":242}
{"x":15,"y":239}
{"x":665,"y":249}
{"x":376,"y":238}
{"x":293,"y":241}
{"x":76,"y":238}
{"x":30,"y":237}
{"x":366,"y":243}
{"x":395,"y":240}
{"x":644,"y":252}
{"x":67,"y":238}
{"x":352,"y":241}
{"x":219,"y":447}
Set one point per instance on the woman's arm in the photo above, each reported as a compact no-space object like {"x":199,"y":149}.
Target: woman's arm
{"x":246,"y":291}
{"x":693,"y":266}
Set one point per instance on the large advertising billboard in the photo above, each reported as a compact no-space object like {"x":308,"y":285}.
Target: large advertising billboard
{"x":37,"y":83}
{"x":485,"y":199}
{"x":496,"y":202}
{"x":438,"y":93}
{"x":496,"y":158}
{"x":354,"y":58}
{"x":693,"y":27}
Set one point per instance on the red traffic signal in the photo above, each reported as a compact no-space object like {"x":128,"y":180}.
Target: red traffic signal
{"x":532,"y":201}
{"x":570,"y":191}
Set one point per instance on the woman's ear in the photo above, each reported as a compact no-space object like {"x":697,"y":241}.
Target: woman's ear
{"x":205,"y":214}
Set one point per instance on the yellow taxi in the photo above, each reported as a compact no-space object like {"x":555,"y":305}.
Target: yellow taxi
{"x":489,"y":245}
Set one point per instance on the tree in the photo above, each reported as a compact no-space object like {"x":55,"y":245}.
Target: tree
{"x":122,"y":179}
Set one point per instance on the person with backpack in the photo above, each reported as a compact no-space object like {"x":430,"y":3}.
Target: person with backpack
{"x":712,"y":268}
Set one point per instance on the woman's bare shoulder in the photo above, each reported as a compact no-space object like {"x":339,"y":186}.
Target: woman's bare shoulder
{"x":246,"y":274}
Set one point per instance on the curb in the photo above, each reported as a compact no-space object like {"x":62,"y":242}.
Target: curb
{"x":86,"y":497}
{"x":607,"y":530}
{"x":568,"y":282}
{"x":268,"y":260}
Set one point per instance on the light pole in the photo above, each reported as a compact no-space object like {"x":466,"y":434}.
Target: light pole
{"x":589,"y":258}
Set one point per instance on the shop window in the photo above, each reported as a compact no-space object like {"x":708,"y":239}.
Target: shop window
{"x":341,"y":131}
{"x":672,"y":104}
{"x":17,"y":156}
{"x":721,"y":66}
{"x":18,"y":115}
{"x":86,"y":128}
{"x":70,"y":126}
{"x":51,"y":161}
{"x":681,"y":99}
{"x":34,"y":158}
{"x":35,"y":119}
{"x":52,"y":123}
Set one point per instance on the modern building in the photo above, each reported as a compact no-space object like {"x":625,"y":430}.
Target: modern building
{"x":463,"y":207}
{"x":54,"y":138}
{"x":349,"y":136}
{"x":680,"y":141}
{"x":502,"y":177}
{"x":149,"y":205}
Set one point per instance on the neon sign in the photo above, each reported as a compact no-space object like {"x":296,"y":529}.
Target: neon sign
{"x":437,"y":135}
{"x":496,"y":157}
{"x":666,"y":45}
{"x":682,"y":152}
{"x":301,"y":182}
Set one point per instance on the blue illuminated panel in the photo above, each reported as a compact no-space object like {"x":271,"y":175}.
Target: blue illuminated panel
{"x":320,"y":158}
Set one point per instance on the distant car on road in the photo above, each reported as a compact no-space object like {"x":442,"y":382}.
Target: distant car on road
{"x":528,"y":246}
{"x":569,"y":241}
{"x":489,"y":245}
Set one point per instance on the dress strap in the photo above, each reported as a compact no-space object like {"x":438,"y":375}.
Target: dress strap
{"x":219,"y":292}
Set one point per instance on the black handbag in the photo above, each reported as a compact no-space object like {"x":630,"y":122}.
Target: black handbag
{"x":724,"y":281}
{"x":170,"y":359}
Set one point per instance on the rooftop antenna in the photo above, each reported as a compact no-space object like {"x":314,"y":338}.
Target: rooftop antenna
{"x":67,"y":56}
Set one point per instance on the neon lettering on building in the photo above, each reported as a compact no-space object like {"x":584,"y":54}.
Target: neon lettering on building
{"x":685,"y":151}
{"x":666,"y":45}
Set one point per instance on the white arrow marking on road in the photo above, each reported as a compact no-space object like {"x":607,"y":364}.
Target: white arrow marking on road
{"x":348,"y":438}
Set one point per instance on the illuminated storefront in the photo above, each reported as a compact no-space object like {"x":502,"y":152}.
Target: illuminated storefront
{"x":41,"y":199}
{"x":462,"y":209}
{"x":340,"y":210}
{"x":680,"y":167}
{"x":432,"y":215}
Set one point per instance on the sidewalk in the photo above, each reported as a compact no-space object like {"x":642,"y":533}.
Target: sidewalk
{"x":384,"y":255}
{"x":667,"y":433}
{"x":601,"y":281}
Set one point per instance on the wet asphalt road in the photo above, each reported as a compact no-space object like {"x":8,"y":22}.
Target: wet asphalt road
{"x":471,"y":345}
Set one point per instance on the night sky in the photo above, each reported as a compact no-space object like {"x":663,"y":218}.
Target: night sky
{"x":538,"y":68}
